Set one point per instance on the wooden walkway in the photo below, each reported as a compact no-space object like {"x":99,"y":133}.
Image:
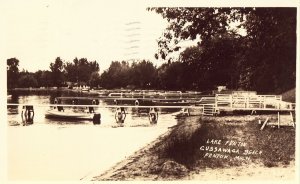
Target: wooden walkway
{"x":250,"y":102}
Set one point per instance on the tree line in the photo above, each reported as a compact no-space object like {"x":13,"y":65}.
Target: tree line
{"x":138,"y":74}
{"x":80,"y":71}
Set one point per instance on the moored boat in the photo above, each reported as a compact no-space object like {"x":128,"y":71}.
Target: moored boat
{"x":68,"y":114}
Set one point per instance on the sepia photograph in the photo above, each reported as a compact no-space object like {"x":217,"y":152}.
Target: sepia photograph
{"x":100,"y":91}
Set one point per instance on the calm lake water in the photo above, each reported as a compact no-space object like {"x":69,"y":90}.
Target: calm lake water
{"x":73,"y":150}
{"x":134,"y":117}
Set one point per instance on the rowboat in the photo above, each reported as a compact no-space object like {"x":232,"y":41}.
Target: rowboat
{"x":68,"y":114}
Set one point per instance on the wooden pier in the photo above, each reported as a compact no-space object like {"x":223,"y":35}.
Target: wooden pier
{"x":241,"y":102}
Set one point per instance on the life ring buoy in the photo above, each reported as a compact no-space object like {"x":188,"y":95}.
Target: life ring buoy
{"x":120,"y":116}
{"x":152,"y":116}
{"x":136,"y":103}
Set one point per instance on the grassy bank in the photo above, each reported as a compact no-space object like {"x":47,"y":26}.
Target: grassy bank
{"x":289,"y":96}
{"x":182,"y":151}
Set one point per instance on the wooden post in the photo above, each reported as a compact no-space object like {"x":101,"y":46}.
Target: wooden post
{"x":278,"y":121}
{"x":265,"y":123}
{"x":291,"y":114}
{"x":216,"y":101}
{"x":253,"y":112}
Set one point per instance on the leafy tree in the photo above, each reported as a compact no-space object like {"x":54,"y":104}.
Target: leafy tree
{"x":104,"y":80}
{"x":193,"y":66}
{"x":80,"y":70}
{"x":72,"y":71}
{"x":37,"y":76}
{"x":220,"y":60}
{"x":83,"y":70}
{"x":143,"y":74}
{"x":27,"y":80}
{"x":42,"y":81}
{"x":271,"y":53}
{"x":260,"y":55}
{"x":43,"y":78}
{"x":170,"y":76}
{"x":57,"y":72}
{"x":194,"y":23}
{"x":115,"y":76}
{"x":94,"y":79}
{"x":12,"y":72}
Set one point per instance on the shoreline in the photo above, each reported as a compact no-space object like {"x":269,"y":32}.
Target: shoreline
{"x":53,"y":89}
{"x":170,"y":158}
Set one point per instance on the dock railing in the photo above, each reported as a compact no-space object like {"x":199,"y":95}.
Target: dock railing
{"x":228,"y":101}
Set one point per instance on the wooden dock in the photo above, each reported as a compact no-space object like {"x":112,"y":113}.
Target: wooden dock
{"x":195,"y":103}
{"x":250,"y":102}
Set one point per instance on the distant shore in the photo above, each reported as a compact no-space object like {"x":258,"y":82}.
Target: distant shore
{"x":54,"y":89}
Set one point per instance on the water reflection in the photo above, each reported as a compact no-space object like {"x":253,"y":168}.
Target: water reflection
{"x":134,"y":116}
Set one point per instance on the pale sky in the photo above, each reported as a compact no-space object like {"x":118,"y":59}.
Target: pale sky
{"x":37,"y":32}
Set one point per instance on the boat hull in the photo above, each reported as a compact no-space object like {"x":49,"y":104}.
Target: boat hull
{"x":55,"y":114}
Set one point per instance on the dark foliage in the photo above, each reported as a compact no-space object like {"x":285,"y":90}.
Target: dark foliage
{"x":12,"y":72}
{"x":263,"y":60}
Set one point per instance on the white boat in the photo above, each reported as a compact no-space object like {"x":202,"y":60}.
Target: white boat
{"x":85,"y":89}
{"x":68,"y":114}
